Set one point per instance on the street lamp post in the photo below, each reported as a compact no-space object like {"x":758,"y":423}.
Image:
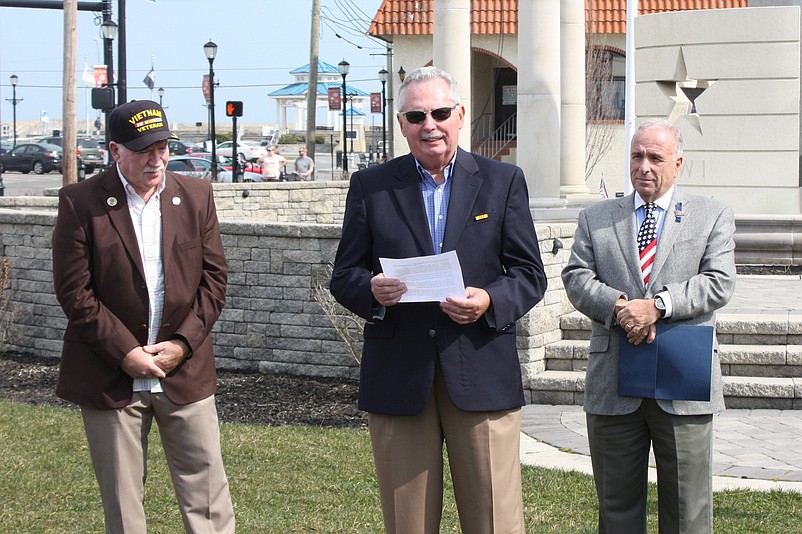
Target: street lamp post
{"x":343,"y":68}
{"x":109,"y":31}
{"x":210,"y":50}
{"x":14,"y":79}
{"x":383,"y":79}
{"x":161,"y":95}
{"x":353,"y":132}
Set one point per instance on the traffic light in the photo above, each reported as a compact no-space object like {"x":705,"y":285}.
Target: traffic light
{"x":234,"y":108}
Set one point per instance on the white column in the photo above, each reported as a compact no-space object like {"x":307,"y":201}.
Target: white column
{"x":572,"y":89}
{"x":451,"y":51}
{"x":539,"y":98}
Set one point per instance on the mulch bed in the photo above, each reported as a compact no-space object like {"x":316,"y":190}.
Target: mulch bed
{"x":268,"y":399}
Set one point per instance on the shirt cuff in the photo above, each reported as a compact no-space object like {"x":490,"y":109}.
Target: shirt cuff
{"x":666,"y":297}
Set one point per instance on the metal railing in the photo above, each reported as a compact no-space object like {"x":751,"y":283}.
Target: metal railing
{"x":504,"y":137}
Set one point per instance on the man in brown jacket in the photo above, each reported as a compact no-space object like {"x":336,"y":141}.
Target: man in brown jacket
{"x":140,"y":271}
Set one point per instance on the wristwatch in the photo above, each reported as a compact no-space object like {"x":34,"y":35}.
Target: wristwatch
{"x":660,"y":305}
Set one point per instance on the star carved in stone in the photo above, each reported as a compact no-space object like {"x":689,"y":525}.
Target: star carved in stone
{"x":684,"y":93}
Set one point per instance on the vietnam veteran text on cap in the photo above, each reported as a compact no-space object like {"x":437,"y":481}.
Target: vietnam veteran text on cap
{"x":138,"y":124}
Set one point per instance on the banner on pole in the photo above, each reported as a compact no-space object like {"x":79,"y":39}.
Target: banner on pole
{"x":101,"y":75}
{"x":335,"y":99}
{"x":375,"y":102}
{"x":206,"y":88}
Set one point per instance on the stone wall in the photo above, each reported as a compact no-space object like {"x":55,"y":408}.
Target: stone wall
{"x":321,"y":202}
{"x":271,"y":322}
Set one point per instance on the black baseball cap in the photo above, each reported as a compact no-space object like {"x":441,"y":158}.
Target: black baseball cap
{"x":138,"y":124}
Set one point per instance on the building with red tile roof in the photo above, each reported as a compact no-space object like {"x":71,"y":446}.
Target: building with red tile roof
{"x":495,"y":17}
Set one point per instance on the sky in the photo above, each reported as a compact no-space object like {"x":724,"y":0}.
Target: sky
{"x":259,"y":43}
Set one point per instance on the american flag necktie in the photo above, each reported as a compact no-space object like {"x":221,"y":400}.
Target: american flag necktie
{"x":647,"y":242}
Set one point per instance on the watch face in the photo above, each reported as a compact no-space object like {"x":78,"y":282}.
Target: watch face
{"x":659,"y":304}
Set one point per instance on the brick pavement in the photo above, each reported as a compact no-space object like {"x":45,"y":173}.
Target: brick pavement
{"x":752,"y":449}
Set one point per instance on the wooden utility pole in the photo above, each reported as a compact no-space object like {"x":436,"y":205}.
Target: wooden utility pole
{"x":69,"y":143}
{"x":311,"y":91}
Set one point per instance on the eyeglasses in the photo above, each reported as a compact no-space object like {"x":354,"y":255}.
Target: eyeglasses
{"x":439,"y":114}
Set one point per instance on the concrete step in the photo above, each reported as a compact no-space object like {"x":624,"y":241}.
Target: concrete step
{"x":761,"y":358}
{"x":568,"y":387}
{"x":733,"y":328}
{"x":778,"y":361}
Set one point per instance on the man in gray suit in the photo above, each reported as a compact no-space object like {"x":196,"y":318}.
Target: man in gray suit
{"x":657,"y":255}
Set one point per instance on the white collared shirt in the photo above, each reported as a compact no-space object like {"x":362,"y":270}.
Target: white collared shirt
{"x":147,"y":221}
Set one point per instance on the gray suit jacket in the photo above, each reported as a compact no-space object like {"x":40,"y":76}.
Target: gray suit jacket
{"x":695,"y":263}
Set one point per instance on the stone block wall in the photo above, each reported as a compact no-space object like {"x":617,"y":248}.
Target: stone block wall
{"x":271,"y":322}
{"x":321,"y":202}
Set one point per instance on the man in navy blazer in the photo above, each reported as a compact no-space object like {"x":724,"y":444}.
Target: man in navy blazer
{"x":140,"y":271}
{"x":448,"y":371}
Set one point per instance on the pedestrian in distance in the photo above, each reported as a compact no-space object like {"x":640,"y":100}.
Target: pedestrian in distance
{"x":441,"y":372}
{"x":272,"y":165}
{"x":140,"y":271}
{"x":304,"y":166}
{"x":655,"y":257}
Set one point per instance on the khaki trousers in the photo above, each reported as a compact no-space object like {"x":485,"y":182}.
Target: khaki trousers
{"x":118,"y":444}
{"x":484,"y":455}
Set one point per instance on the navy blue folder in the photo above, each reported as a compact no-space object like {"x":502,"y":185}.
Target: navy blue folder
{"x":675,"y":366}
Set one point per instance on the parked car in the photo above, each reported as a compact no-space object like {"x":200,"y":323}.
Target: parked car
{"x":222,"y":161}
{"x":247,"y":150}
{"x":228,"y":162}
{"x":182,"y":148}
{"x":5,"y":146}
{"x":202,"y":168}
{"x":37,"y":157}
{"x":89,"y":150}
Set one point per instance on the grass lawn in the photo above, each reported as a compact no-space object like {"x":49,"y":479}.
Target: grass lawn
{"x":291,"y":479}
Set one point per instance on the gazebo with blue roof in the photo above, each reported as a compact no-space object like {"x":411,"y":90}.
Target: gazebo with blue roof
{"x":293,"y":96}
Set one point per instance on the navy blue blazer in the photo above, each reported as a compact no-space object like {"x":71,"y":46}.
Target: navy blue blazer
{"x":490,"y":227}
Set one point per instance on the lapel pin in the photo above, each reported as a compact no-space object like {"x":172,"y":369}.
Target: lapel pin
{"x":678,"y":212}
{"x":480,"y":217}
{"x":176,"y":201}
{"x":111,"y":201}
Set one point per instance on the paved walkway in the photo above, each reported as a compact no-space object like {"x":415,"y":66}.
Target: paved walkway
{"x":752,"y":449}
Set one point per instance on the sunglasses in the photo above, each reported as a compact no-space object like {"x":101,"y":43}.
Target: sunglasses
{"x":439,"y":114}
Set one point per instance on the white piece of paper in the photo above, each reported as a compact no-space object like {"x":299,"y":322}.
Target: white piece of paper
{"x":428,"y":278}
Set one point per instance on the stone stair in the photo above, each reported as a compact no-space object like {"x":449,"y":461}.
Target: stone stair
{"x":761,"y":361}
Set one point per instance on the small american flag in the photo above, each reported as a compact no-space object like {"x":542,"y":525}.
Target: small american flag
{"x":603,"y":189}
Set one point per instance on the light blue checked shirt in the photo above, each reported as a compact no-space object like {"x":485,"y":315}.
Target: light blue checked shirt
{"x":147,"y":220}
{"x":435,"y":199}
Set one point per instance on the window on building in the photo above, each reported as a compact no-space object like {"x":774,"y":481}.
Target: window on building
{"x":605,"y":73}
